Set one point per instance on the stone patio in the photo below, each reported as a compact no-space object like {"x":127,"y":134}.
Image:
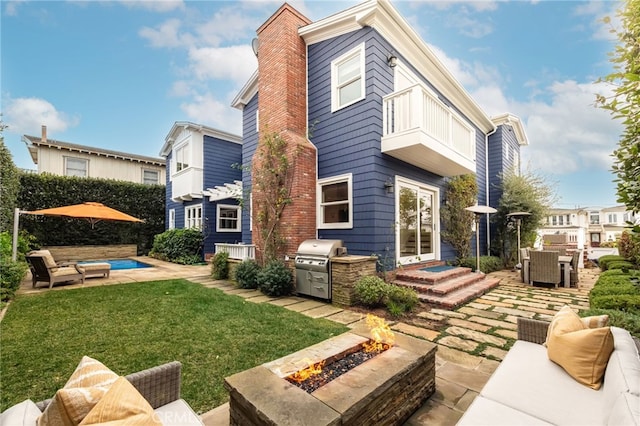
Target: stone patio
{"x":471,"y":340}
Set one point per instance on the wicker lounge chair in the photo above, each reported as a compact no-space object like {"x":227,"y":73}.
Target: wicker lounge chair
{"x":544,"y":267}
{"x":575,"y":261}
{"x":43,"y":268}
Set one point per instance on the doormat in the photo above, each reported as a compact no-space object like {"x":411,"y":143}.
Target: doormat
{"x":439,"y":268}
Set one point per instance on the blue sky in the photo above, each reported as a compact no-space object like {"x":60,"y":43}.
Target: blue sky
{"x":118,"y":74}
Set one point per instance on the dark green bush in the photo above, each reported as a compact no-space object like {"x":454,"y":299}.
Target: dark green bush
{"x":220,"y":266}
{"x":275,"y":279}
{"x":487,"y":263}
{"x":401,"y":300}
{"x":371,"y":291}
{"x":12,"y":273}
{"x":616,"y":289}
{"x":603,"y":261}
{"x":624,"y":265}
{"x":622,"y":302}
{"x":628,"y":320}
{"x":179,"y":246}
{"x":247,"y":274}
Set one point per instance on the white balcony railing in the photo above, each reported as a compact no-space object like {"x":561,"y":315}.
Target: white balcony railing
{"x":417,"y":114}
{"x":237,"y":251}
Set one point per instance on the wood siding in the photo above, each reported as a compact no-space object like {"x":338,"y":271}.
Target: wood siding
{"x":52,"y":160}
{"x":249,"y":145}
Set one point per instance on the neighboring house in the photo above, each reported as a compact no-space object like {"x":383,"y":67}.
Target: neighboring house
{"x":204,"y":182}
{"x":589,"y":226}
{"x":377,"y":123}
{"x":68,"y":159}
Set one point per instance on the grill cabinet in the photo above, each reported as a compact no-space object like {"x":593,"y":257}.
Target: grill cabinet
{"x":313,"y":267}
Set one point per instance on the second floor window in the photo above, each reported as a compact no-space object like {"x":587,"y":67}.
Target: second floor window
{"x":193,"y":217}
{"x":594,"y":218}
{"x":150,"y":177}
{"x":182,"y":157}
{"x":76,"y":167}
{"x":347,"y":78}
{"x":613,"y":218}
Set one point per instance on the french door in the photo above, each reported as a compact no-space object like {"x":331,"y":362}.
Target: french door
{"x":418,"y":222}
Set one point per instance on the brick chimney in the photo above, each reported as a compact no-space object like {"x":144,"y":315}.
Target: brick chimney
{"x":43,"y":138}
{"x":282,"y":105}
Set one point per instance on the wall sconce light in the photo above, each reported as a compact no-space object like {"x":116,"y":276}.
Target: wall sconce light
{"x":388,"y":186}
{"x":392,"y":60}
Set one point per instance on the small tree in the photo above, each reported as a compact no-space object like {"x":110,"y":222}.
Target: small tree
{"x":625,"y":103}
{"x":461,"y":192}
{"x":527,"y":192}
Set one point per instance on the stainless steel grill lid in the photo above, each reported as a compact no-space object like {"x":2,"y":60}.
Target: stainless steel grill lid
{"x":319,"y":248}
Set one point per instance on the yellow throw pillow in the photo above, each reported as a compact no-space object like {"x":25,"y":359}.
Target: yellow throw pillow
{"x":595,"y":321}
{"x":564,"y":321}
{"x":88,"y":383}
{"x":583,"y":354}
{"x":122,"y":405}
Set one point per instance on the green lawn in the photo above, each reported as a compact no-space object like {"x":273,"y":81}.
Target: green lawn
{"x":131,"y":327}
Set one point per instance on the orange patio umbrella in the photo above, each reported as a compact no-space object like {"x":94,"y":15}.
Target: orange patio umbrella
{"x":93,"y":212}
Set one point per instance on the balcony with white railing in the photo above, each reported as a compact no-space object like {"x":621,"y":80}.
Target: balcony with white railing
{"x":421,"y":130}
{"x":237,"y":251}
{"x":187,"y":184}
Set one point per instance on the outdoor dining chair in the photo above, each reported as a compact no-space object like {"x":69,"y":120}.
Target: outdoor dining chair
{"x":544,"y":267}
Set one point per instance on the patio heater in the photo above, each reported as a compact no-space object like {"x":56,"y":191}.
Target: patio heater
{"x":518,"y":216}
{"x":478,"y":211}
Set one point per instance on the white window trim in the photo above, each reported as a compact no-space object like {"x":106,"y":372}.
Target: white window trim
{"x":66,"y":166}
{"x":172,"y":218}
{"x":335,"y":99}
{"x":153,"y":171}
{"x":186,"y":217}
{"x":319,"y":208}
{"x":183,"y":145}
{"x":238,"y":210}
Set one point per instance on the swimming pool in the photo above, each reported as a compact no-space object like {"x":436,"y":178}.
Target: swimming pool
{"x":119,"y":264}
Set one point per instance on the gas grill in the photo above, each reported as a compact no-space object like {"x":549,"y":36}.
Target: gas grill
{"x":313,"y":266}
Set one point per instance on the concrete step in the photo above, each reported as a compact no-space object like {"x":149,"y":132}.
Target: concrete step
{"x":460,"y":296}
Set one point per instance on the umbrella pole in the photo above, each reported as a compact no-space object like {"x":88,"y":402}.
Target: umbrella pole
{"x":16,"y":219}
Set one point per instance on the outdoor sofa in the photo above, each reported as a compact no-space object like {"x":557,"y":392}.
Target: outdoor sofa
{"x":528,"y":388}
{"x":160,"y":387}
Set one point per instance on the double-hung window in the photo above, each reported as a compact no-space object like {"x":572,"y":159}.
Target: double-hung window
{"x":182,"y":157}
{"x":76,"y":167}
{"x":193,"y":216}
{"x":347,"y":78}
{"x":150,"y":177}
{"x":172,"y":218}
{"x":335,"y":202}
{"x":228,"y":218}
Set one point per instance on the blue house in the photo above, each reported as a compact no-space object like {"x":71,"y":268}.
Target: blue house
{"x":388,"y":124}
{"x":204,"y":182}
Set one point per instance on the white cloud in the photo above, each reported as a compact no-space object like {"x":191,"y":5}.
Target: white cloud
{"x":236,"y":63}
{"x":11,"y":7}
{"x":229,"y":24}
{"x":154,"y":5}
{"x":166,"y":35}
{"x":205,"y":109}
{"x":27,"y":115}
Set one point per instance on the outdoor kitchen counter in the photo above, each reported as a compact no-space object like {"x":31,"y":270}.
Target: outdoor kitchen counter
{"x":345,"y":273}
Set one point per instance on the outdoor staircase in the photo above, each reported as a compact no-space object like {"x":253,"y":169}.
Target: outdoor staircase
{"x":446,"y":289}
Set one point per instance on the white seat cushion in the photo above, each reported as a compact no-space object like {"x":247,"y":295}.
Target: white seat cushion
{"x":485,"y":412}
{"x":25,"y":413}
{"x":526,"y":380}
{"x":178,"y":413}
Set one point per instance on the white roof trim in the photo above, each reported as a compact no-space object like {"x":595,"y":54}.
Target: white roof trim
{"x":515,"y":123}
{"x":179,"y":126}
{"x":247,"y":92}
{"x":229,"y":190}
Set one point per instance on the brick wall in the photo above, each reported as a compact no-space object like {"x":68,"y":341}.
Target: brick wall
{"x":282,"y":109}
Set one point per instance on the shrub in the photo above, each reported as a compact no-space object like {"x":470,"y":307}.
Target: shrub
{"x":11,"y":275}
{"x":487,"y":263}
{"x":220,"y":266}
{"x":371,"y":291}
{"x":178,"y":246}
{"x":620,"y":264}
{"x":247,"y":274}
{"x":628,"y":320}
{"x":275,"y":279}
{"x":616,"y":290}
{"x":629,"y":247}
{"x":401,"y":300}
{"x":603,"y":261}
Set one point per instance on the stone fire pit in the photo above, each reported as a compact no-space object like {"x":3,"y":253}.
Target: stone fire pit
{"x":384,"y":390}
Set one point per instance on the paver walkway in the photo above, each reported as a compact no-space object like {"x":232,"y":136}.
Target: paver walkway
{"x":471,"y":339}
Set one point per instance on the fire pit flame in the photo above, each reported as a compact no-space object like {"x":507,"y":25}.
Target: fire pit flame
{"x":382,"y":338}
{"x":312,"y":369}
